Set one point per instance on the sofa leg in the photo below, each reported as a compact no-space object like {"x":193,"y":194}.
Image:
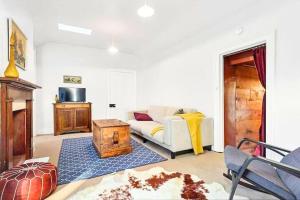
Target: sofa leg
{"x":208,"y":148}
{"x":173,"y":155}
{"x":144,"y":140}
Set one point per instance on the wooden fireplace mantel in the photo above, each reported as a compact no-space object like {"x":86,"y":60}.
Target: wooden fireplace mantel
{"x":19,"y":83}
{"x":13,"y":124}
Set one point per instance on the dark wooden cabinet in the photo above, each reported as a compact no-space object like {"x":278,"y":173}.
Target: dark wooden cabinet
{"x":72,"y":117}
{"x":15,"y":121}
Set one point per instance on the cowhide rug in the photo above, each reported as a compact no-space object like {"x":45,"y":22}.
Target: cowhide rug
{"x":155,"y":183}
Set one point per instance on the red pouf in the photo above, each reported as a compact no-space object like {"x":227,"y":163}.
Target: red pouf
{"x":28,"y":181}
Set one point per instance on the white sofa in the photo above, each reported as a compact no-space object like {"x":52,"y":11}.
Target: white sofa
{"x":175,"y":137}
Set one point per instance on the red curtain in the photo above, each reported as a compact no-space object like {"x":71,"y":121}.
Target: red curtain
{"x":259,"y":55}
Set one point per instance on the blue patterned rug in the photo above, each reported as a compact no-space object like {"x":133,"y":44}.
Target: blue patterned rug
{"x":79,"y":160}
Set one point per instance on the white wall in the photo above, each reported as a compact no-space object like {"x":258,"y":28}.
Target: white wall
{"x":187,"y":77}
{"x":182,"y":80}
{"x":56,"y":60}
{"x":24,"y":21}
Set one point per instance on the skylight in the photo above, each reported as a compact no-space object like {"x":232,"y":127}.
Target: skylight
{"x":74,"y":29}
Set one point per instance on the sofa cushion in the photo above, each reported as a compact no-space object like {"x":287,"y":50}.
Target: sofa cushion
{"x":135,"y":125}
{"x":145,"y":127}
{"x":149,"y":126}
{"x":157,"y":113}
{"x":159,"y":136}
{"x":170,"y":111}
{"x":142,"y":117}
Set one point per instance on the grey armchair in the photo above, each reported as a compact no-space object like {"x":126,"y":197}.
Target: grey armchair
{"x":280,"y":179}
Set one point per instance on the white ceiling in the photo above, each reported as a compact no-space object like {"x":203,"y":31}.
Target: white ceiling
{"x":174,"y":21}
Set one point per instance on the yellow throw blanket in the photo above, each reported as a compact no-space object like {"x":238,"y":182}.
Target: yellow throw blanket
{"x":194,"y":121}
{"x":156,"y":129}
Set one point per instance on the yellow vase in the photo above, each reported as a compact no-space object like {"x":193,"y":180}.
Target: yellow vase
{"x":11,"y":70}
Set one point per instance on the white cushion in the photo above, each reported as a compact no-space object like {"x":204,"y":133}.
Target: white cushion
{"x":149,"y":126}
{"x":134,"y":124}
{"x":146,"y":127}
{"x":170,"y":111}
{"x":159,"y":136}
{"x":157,"y":113}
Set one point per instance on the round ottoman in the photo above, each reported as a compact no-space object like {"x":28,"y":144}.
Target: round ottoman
{"x":28,"y":181}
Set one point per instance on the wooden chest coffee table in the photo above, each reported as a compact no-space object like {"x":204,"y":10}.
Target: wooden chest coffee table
{"x":111,"y":137}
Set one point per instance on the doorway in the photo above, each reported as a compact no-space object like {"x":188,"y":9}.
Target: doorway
{"x":121,"y":93}
{"x":243,"y":100}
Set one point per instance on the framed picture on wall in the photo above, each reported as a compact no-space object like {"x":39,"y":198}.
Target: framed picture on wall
{"x":72,"y":79}
{"x":20,"y":45}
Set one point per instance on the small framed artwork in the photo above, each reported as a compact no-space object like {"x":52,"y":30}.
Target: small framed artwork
{"x":20,"y":44}
{"x":72,"y":79}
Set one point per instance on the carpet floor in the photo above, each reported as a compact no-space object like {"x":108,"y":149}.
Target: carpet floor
{"x":209,"y":166}
{"x":79,"y":160}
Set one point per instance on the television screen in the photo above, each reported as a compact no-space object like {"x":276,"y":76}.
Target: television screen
{"x":71,"y":94}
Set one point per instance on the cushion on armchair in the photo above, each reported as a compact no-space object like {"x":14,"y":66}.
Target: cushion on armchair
{"x":258,"y":172}
{"x":291,"y":182}
{"x":234,"y":158}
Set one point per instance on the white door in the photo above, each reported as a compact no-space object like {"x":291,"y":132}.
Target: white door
{"x":121,"y":94}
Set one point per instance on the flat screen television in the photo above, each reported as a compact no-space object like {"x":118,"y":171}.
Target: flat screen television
{"x":67,"y":94}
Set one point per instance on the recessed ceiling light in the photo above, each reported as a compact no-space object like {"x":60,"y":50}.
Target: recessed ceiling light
{"x":74,"y":29}
{"x":145,"y":11}
{"x":113,"y":50}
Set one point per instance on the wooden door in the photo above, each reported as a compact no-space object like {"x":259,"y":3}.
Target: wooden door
{"x":81,"y":118}
{"x":65,"y":119}
{"x":243,"y":95}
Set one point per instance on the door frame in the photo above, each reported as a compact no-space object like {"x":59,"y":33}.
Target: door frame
{"x":108,"y":72}
{"x":269,"y":40}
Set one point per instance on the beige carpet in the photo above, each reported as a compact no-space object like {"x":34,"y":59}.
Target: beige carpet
{"x":208,"y":166}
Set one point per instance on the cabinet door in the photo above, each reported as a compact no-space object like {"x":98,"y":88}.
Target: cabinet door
{"x":65,"y":119}
{"x":82,"y":118}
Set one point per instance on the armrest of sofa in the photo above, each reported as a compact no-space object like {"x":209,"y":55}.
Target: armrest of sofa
{"x":130,"y":114}
{"x":207,"y":128}
{"x":176,"y":133}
